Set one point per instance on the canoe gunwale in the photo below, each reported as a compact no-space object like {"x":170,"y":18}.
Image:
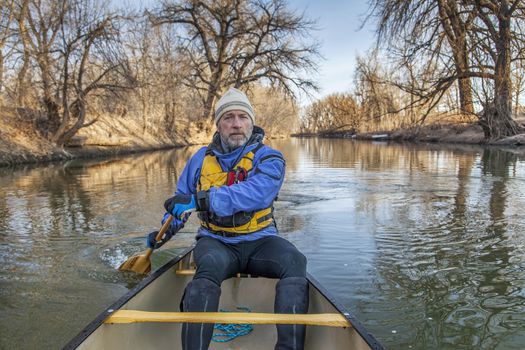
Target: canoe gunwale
{"x":99,"y":320}
{"x":356,"y":324}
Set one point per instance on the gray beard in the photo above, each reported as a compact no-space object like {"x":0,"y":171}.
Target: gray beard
{"x":229,"y":148}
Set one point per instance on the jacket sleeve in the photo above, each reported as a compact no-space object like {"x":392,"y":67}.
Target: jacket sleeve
{"x":257,"y":192}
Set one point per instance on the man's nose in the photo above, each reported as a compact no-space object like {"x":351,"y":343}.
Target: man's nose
{"x":237,"y":122}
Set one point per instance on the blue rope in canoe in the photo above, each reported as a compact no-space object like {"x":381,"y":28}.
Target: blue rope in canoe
{"x":230,"y":331}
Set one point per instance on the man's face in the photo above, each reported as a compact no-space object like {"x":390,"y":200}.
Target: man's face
{"x":235,"y":128}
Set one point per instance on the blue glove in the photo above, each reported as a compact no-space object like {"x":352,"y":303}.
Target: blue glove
{"x":175,"y":226}
{"x":180,"y":204}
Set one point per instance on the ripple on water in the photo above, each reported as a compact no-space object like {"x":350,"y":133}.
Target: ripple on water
{"x":114,"y":257}
{"x":467,"y":317}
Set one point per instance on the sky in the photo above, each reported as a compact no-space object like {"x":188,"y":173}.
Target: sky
{"x":341,"y":39}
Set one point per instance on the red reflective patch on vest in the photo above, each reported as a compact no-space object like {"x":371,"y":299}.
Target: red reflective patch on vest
{"x":236,"y":176}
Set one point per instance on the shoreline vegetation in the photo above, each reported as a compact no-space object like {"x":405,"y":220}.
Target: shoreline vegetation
{"x":19,"y":147}
{"x":22,"y":143}
{"x":462,"y":133}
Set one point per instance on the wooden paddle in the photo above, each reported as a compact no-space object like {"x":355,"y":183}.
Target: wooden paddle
{"x":141,"y":263}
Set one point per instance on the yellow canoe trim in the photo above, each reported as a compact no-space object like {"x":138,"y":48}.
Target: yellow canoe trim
{"x":135,"y":316}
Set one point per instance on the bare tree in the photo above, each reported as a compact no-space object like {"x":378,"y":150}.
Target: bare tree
{"x":140,"y":44}
{"x":73,"y":61}
{"x":7,"y":15}
{"x":455,"y":24}
{"x":518,"y":84}
{"x":240,"y":42}
{"x":374,"y":89}
{"x":430,"y":30}
{"x":276,"y":114}
{"x":159,"y":95}
{"x":20,"y":89}
{"x":40,"y":22}
{"x":480,"y":38}
{"x":333,"y":113}
{"x":495,"y":39}
{"x":90,"y":62}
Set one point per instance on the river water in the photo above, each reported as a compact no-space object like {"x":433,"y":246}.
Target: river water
{"x":424,"y":244}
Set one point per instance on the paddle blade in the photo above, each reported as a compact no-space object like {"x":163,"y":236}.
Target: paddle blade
{"x":138,"y":263}
{"x":141,"y":263}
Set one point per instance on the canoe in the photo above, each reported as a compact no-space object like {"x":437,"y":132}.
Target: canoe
{"x":148,"y":315}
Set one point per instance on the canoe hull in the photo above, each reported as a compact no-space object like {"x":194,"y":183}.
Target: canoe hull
{"x":162,"y":292}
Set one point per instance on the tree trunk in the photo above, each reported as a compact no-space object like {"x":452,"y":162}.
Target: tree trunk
{"x":1,"y":74}
{"x":212,"y":93}
{"x":462,"y":66}
{"x":464,"y":87}
{"x":455,"y":31}
{"x":496,"y":119}
{"x":53,"y":117}
{"x":518,"y":89}
{"x":78,"y":108}
{"x":208,"y":104}
{"x":50,"y":105}
{"x":21,"y":84}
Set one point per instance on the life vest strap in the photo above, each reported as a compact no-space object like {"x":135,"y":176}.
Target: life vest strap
{"x":227,"y":234}
{"x":265,"y":217}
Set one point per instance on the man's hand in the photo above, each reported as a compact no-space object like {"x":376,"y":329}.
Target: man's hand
{"x":180,"y":204}
{"x":151,"y":238}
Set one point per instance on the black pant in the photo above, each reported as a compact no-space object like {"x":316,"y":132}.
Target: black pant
{"x":272,"y":257}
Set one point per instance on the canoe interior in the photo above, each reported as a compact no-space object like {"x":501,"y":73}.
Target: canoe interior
{"x":164,"y":293}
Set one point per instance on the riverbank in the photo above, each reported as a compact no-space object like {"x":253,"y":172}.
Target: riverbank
{"x":19,"y":148}
{"x":22,"y":148}
{"x":435,"y":133}
{"x":21,"y":143}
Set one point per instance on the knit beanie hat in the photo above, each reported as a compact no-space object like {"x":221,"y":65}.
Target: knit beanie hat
{"x":233,"y":99}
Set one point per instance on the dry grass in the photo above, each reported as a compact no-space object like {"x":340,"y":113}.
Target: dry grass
{"x":19,"y":139}
{"x":20,"y":142}
{"x":392,"y":122}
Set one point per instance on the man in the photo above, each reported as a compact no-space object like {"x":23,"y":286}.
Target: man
{"x":232,"y":184}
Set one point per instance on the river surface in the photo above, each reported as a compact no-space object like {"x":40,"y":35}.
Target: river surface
{"x":424,"y":244}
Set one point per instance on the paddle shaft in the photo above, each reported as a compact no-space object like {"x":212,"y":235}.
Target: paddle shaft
{"x":163,"y":230}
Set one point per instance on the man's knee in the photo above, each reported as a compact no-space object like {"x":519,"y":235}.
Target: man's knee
{"x":293,"y":263}
{"x":284,"y":259}
{"x":211,"y":267}
{"x":198,"y":292}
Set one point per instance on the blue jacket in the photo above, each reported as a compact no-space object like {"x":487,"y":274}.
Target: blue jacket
{"x":259,"y":190}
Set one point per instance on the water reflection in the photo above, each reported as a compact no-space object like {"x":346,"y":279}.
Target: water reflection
{"x":423,"y":243}
{"x":447,"y":255}
{"x":63,"y":229}
{"x":447,"y":252}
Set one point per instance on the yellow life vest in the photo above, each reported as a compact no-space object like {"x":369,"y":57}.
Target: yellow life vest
{"x":212,"y":175}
